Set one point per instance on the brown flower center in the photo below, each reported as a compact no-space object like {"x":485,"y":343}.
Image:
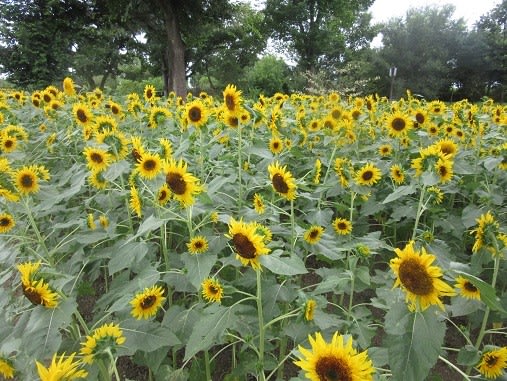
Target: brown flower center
{"x":314,"y":233}
{"x":81,"y":115}
{"x":195,"y":114}
{"x":469,"y":287}
{"x":414,"y":277}
{"x":367,"y":175}
{"x":96,"y":158}
{"x":8,"y":143}
{"x":149,"y":93}
{"x":244,"y":246}
{"x":398,"y":124}
{"x":148,"y":301}
{"x":32,"y":295}
{"x":419,"y":117}
{"x":279,"y":183}
{"x":176,"y":183}
{"x":149,"y":165}
{"x":5,"y":221}
{"x":491,"y":360}
{"x":27,"y":181}
{"x":162,"y":195}
{"x":229,"y":102}
{"x":342,"y":226}
{"x":330,"y":368}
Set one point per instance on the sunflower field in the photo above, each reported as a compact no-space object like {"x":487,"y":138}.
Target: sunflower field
{"x":293,"y":237}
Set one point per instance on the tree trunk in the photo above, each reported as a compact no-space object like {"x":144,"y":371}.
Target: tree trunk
{"x":175,"y":47}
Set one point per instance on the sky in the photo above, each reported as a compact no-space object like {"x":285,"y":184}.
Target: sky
{"x":470,"y":10}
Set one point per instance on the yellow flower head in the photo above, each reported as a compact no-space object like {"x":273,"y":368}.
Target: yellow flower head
{"x":313,"y":234}
{"x":310,"y":309}
{"x":183,"y":185}
{"x":212,"y":290}
{"x":493,"y":363}
{"x":7,"y":370}
{"x":61,"y":369}
{"x":146,"y":303}
{"x":247,"y":243}
{"x":6,"y":222}
{"x":368,"y":175}
{"x":198,"y":245}
{"x":106,"y":337}
{"x":282,"y":181}
{"x":467,"y":289}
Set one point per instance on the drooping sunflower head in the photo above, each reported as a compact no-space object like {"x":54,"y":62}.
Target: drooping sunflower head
{"x":135,"y":201}
{"x":313,"y":234}
{"x":418,"y":278}
{"x":336,"y":360}
{"x":183,"y":185}
{"x":198,"y":245}
{"x":467,"y":289}
{"x":310,"y":309}
{"x":212,"y":290}
{"x":486,"y":233}
{"x":247,"y":243}
{"x":368,"y":175}
{"x":6,"y":222}
{"x":39,"y":293}
{"x":102,"y":340}
{"x":282,"y":181}
{"x":62,"y":368}
{"x":146,"y":303}
{"x":68,"y":86}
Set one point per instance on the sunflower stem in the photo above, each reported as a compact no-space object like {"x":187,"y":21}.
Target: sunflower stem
{"x":443,"y":359}
{"x":240,"y":169}
{"x":113,"y":368}
{"x":207,"y":365}
{"x":163,"y":243}
{"x":36,"y":230}
{"x":103,"y":373}
{"x":292,"y":228}
{"x":420,"y":210}
{"x":260,"y":315}
{"x":327,"y":172}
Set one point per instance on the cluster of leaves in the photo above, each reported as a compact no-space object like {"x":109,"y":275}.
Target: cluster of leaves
{"x":103,"y":232}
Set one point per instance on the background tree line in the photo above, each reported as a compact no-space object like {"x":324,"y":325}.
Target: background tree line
{"x":182,"y":45}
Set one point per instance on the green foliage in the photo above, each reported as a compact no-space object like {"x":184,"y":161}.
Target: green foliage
{"x":267,"y":76}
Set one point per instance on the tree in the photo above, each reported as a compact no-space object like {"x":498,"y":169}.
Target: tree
{"x":268,"y":76}
{"x":424,"y":49}
{"x":313,"y":32}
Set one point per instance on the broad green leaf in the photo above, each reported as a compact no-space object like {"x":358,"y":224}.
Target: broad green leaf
{"x":401,"y":191}
{"x":468,"y":356}
{"x":488,"y":294}
{"x":148,"y":225}
{"x":283,"y":265}
{"x":123,"y":256}
{"x":413,"y":353}
{"x":198,"y":267}
{"x":147,"y":336}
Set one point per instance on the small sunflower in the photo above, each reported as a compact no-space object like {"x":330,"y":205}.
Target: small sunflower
{"x":258,"y":203}
{"x":158,"y":115}
{"x":275,"y":145}
{"x":485,"y":233}
{"x":149,"y":93}
{"x":447,"y":147}
{"x":368,"y":175}
{"x":149,"y":165}
{"x":8,"y":143}
{"x":82,"y":114}
{"x":135,"y":201}
{"x":163,"y":194}
{"x":103,"y":339}
{"x":436,"y":195}
{"x":166,"y":147}
{"x":418,"y":278}
{"x":97,"y":180}
{"x":318,"y":171}
{"x":282,"y":181}
{"x":103,"y":221}
{"x":337,"y":360}
{"x":397,"y":174}
{"x":27,"y":180}
{"x":342,"y":226}
{"x":61,"y":368}
{"x":196,"y":113}
{"x":310,"y":309}
{"x":115,"y":108}
{"x":493,"y":363}
{"x":116,"y":140}
{"x":97,"y":159}
{"x":313,"y":234}
{"x":146,"y":303}
{"x":232,"y":100}
{"x":385,"y":150}
{"x":6,"y":222}
{"x":183,"y":185}
{"x":212,"y":290}
{"x":198,"y":245}
{"x":248,"y":244}
{"x":68,"y":86}
{"x":7,"y":370}
{"x":467,"y":289}
{"x":398,"y":124}
{"x":444,"y":169}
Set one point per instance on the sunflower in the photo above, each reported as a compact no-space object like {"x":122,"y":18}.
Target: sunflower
{"x":8,"y":143}
{"x":248,"y":244}
{"x":183,"y":185}
{"x":26,"y":179}
{"x":318,"y":171}
{"x":115,"y":108}
{"x":232,"y":100}
{"x":97,"y":180}
{"x":485,"y":233}
{"x":103,"y":339}
{"x":146,"y":303}
{"x":444,"y":170}
{"x":398,"y":124}
{"x":420,"y":116}
{"x":149,"y":165}
{"x":368,"y":175}
{"x":447,"y":147}
{"x":313,"y":234}
{"x":342,"y":226}
{"x":82,"y":114}
{"x":314,"y":125}
{"x":6,"y":368}
{"x":149,"y":93}
{"x":385,"y":150}
{"x":436,"y":195}
{"x":97,"y":159}
{"x":467,"y":289}
{"x":68,"y":86}
{"x":258,"y":203}
{"x":275,"y":145}
{"x":310,"y":309}
{"x":6,"y":222}
{"x":337,"y":360}
{"x":198,"y":245}
{"x":212,"y":290}
{"x":418,"y":278}
{"x":163,"y":194}
{"x":282,"y":181}
{"x":167,"y":149}
{"x":90,"y":221}
{"x":135,"y":201}
{"x":397,"y":174}
{"x":104,"y":123}
{"x":104,"y":221}
{"x":158,"y":115}
{"x":39,"y":292}
{"x":116,"y":140}
{"x":196,"y":113}
{"x":64,"y":369}
{"x":437,"y":107}
{"x":493,"y":363}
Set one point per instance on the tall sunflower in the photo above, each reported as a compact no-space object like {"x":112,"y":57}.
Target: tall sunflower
{"x":282,"y":181}
{"x":416,"y":276}
{"x":61,"y":369}
{"x":146,"y":303}
{"x":7,"y":370}
{"x":232,"y":100}
{"x":467,"y":289}
{"x":135,"y":201}
{"x":368,"y":175}
{"x":149,"y":165}
{"x":6,"y":222}
{"x":149,"y":93}
{"x":183,"y":185}
{"x":212,"y":290}
{"x":105,"y":338}
{"x":198,"y":245}
{"x":68,"y":86}
{"x":336,"y":360}
{"x":493,"y":363}
{"x":313,"y":234}
{"x":247,"y":243}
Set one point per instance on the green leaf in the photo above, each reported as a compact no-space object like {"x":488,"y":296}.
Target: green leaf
{"x":147,"y":336}
{"x":468,"y":356}
{"x":148,"y":225}
{"x":399,"y":192}
{"x":283,"y":265}
{"x":124,"y":256}
{"x":488,"y":294}
{"x":413,"y":352}
{"x":198,"y":267}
